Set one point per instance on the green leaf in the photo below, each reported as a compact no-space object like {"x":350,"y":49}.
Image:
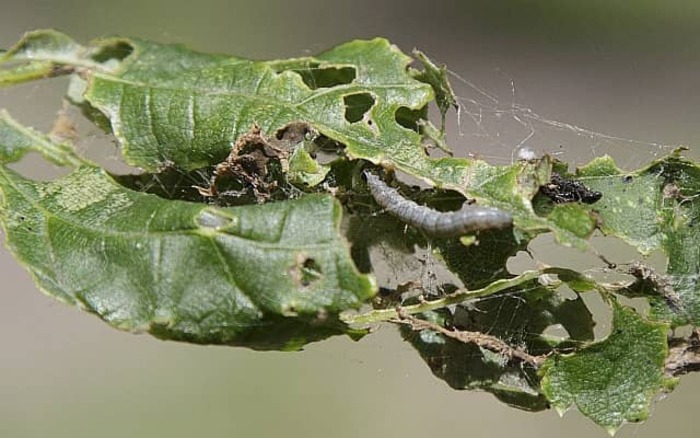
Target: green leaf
{"x":46,"y":53}
{"x":303,"y":169}
{"x":437,"y":78}
{"x":631,"y":202}
{"x":48,"y":46}
{"x":518,"y":315}
{"x":171,"y":106}
{"x":654,"y":208}
{"x":17,"y":140}
{"x":26,"y":72}
{"x":265,"y":276}
{"x":467,"y":367}
{"x":615,"y":380}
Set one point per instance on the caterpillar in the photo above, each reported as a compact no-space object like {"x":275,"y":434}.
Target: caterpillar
{"x":433,"y":222}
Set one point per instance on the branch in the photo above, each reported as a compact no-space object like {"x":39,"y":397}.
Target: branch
{"x":457,"y":297}
{"x":482,"y":340}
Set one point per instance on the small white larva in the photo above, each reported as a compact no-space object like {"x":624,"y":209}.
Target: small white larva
{"x":433,"y":222}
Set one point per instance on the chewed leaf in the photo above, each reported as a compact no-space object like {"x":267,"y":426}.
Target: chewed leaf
{"x":654,"y":208}
{"x":17,"y":140}
{"x":46,"y":53}
{"x":467,"y":367}
{"x":170,"y":106}
{"x":615,"y":380}
{"x":156,"y":252}
{"x":180,"y":270}
{"x":631,"y":203}
{"x":437,"y":78}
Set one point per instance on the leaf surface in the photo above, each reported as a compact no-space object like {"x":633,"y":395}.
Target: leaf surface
{"x":181,"y":270}
{"x":656,"y":208}
{"x":612,"y":381}
{"x":172,"y":106}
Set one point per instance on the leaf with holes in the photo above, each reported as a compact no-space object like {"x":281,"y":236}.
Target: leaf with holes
{"x":520,"y":314}
{"x":279,"y":275}
{"x":267,"y":276}
{"x":467,"y":367}
{"x":171,"y":106}
{"x":612,"y":381}
{"x":16,"y":140}
{"x":655,"y":208}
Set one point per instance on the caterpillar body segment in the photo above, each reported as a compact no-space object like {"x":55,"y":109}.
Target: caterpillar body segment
{"x":433,"y":222}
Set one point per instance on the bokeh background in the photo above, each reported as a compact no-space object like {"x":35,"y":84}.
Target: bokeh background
{"x":626,"y":71}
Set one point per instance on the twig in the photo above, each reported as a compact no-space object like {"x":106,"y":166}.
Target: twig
{"x":457,"y":297}
{"x":488,"y":342}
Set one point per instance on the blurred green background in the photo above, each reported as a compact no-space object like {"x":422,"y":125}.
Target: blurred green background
{"x":623,"y":68}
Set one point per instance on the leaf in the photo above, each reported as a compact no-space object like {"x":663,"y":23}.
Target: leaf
{"x":48,"y":46}
{"x":437,"y":78}
{"x":656,"y":208}
{"x":630,"y":204}
{"x":16,"y":140}
{"x":614,"y":380}
{"x":479,"y":264}
{"x":265,"y":276}
{"x":517,"y":315}
{"x":26,"y":72}
{"x":304,"y":169}
{"x":46,"y":53}
{"x":171,"y":106}
{"x":467,"y":367}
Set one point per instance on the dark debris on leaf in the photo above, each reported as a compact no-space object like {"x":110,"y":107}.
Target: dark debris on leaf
{"x":561,"y":190}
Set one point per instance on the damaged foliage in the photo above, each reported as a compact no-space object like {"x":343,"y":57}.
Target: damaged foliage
{"x":283,"y":146}
{"x":257,"y":164}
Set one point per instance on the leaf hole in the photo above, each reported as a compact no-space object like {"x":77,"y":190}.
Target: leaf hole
{"x":310,"y":273}
{"x":556,"y":332}
{"x":326,"y":77}
{"x":327,"y":150}
{"x":306,"y":271}
{"x":410,"y":118}
{"x":295,"y":132}
{"x":357,"y":106}
{"x":37,"y":168}
{"x":602,"y":315}
{"x":118,"y":51}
